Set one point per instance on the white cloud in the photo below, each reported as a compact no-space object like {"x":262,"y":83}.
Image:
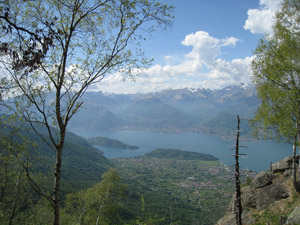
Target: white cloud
{"x":201,"y":67}
{"x":262,"y":19}
{"x":205,"y":47}
{"x":230,"y":72}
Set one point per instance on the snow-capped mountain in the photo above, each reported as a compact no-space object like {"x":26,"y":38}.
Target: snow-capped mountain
{"x":197,"y":110}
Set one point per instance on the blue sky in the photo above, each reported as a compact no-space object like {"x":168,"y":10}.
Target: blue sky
{"x":210,"y":44}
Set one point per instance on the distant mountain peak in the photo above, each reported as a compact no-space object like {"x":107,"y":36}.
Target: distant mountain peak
{"x":193,"y":90}
{"x":171,"y":110}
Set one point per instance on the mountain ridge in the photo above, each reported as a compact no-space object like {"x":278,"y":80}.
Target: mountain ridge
{"x":82,"y":164}
{"x":181,"y":110}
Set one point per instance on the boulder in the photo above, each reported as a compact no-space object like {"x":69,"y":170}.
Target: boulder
{"x":294,"y":217}
{"x":283,"y":165}
{"x":287,"y":173}
{"x":262,"y":179}
{"x":260,"y":198}
{"x":265,"y":189}
{"x":248,"y":198}
{"x":269,"y":194}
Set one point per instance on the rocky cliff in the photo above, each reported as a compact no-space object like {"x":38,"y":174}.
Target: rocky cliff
{"x":269,"y":199}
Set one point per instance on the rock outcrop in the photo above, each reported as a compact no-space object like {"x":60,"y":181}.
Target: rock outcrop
{"x":283,"y":165}
{"x":267,"y":192}
{"x":294,"y":217}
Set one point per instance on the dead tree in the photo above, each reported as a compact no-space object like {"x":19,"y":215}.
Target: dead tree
{"x":237,"y":203}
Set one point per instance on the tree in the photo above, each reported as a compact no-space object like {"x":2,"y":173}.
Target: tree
{"x":16,"y":195}
{"x":76,"y":43}
{"x":96,"y":205}
{"x":238,"y":209}
{"x":276,"y":74}
{"x":14,"y":188}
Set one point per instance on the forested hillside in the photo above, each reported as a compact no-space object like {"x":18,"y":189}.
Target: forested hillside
{"x":113,"y":143}
{"x":84,"y":163}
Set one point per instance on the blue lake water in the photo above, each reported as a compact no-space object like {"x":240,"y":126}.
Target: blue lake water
{"x":259,"y":153}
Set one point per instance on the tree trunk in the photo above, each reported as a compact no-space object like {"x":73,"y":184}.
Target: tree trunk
{"x":238,"y":203}
{"x":57,"y":186}
{"x":294,"y":168}
{"x":295,"y":179}
{"x":102,"y":204}
{"x":59,"y":148}
{"x":57,"y":175}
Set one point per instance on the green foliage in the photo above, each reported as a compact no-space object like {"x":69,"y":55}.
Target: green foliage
{"x":16,"y":194}
{"x":247,"y":182}
{"x":142,"y":220}
{"x":149,"y":221}
{"x":276,"y":75}
{"x":96,"y":205}
{"x":178,"y":191}
{"x":268,"y":217}
{"x":40,"y":213}
{"x":181,"y":155}
{"x":102,"y":141}
{"x":71,"y":45}
{"x":83,"y":165}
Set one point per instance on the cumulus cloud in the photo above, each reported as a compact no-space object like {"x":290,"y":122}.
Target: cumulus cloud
{"x":262,"y":19}
{"x":230,"y":72}
{"x":202,"y":66}
{"x":205,"y":47}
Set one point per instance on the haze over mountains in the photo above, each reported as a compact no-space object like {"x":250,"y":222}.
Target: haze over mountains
{"x":195,"y":110}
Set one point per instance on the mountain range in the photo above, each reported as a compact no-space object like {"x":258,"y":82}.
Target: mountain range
{"x":193,"y":110}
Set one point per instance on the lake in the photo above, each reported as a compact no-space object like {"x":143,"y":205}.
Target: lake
{"x":259,"y":153}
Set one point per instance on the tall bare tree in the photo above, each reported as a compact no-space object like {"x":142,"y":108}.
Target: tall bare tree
{"x":238,"y":201}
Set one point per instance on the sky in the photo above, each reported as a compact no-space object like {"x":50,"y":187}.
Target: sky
{"x":210,"y":44}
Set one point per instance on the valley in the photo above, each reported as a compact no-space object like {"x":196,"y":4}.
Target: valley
{"x":174,"y":164}
{"x":176,"y":189}
{"x":259,"y":153}
{"x":211,"y":112}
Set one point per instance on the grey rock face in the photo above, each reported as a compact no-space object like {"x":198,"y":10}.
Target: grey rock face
{"x":269,"y":194}
{"x":265,"y":189}
{"x":262,"y":179}
{"x":283,"y":165}
{"x":248,"y":198}
{"x":294,"y":217}
{"x":287,"y":173}
{"x":260,"y":198}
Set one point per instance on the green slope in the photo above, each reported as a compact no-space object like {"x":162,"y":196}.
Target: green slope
{"x":113,"y":143}
{"x":181,"y":155}
{"x":177,"y":191}
{"x":82,"y":164}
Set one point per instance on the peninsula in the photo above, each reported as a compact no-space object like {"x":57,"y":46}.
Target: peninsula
{"x":112,"y":143}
